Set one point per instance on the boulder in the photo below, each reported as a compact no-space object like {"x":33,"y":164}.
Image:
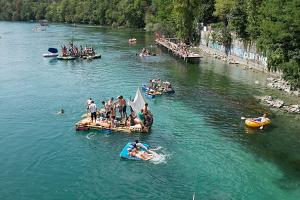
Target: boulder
{"x":294,"y":108}
{"x":297,"y":93}
{"x":277,"y":103}
{"x":267,"y":98}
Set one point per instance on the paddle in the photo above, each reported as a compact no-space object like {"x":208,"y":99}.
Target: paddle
{"x":261,"y":127}
{"x":243,"y":118}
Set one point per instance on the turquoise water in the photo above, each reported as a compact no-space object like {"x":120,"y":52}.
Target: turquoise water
{"x":208,"y":151}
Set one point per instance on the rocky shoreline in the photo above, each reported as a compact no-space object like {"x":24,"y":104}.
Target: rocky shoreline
{"x":280,"y":104}
{"x":283,"y":85}
{"x":274,"y":83}
{"x":219,"y":55}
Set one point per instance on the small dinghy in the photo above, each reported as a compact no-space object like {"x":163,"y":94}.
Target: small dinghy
{"x":159,"y":89}
{"x":256,"y":122}
{"x":149,"y":95}
{"x":53,"y":52}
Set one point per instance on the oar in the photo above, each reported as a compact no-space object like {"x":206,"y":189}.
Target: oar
{"x":261,"y":127}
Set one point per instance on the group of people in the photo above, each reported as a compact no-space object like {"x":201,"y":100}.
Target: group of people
{"x":132,"y":40}
{"x":74,"y":51}
{"x":144,"y":118}
{"x":70,"y":50}
{"x":180,"y":48}
{"x":87,"y":51}
{"x":108,"y":110}
{"x":108,"y":114}
{"x":156,"y":85}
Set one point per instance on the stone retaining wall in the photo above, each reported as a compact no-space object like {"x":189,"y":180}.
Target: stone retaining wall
{"x":248,"y":57}
{"x":237,"y":53}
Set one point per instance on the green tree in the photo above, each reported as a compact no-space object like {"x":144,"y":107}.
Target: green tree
{"x":238,"y":20}
{"x":279,"y":37}
{"x":222,"y":9}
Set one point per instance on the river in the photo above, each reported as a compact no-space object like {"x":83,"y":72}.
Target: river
{"x":207,"y":149}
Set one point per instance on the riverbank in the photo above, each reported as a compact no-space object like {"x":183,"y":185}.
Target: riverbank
{"x":274,"y":80}
{"x":279,"y":104}
{"x":232,"y":59}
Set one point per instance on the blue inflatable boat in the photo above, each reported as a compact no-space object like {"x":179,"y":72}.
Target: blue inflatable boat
{"x":149,"y":96}
{"x":145,"y":87}
{"x":146,"y":94}
{"x":125,"y":154}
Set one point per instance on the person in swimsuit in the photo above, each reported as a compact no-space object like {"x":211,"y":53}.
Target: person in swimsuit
{"x":262,"y":119}
{"x":140,"y":145}
{"x":110,"y":102}
{"x":88,"y":103}
{"x":130,"y":120}
{"x":112,"y":116}
{"x":134,"y":152}
{"x":104,"y":110}
{"x":62,"y":111}
{"x":122,"y":107}
{"x":141,"y":116}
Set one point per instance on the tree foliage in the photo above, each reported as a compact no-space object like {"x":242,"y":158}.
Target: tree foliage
{"x":273,"y":24}
{"x":279,"y":37}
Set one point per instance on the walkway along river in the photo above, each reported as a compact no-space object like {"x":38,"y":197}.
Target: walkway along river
{"x":209,"y":152}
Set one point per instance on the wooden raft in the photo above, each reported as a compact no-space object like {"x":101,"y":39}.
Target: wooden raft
{"x":86,"y":124}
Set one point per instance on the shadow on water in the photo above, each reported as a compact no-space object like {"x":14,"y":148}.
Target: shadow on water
{"x":223,"y":102}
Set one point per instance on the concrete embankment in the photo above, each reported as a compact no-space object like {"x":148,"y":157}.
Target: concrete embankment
{"x":232,"y":59}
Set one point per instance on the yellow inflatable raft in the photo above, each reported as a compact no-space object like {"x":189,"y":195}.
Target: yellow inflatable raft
{"x":256,"y":123}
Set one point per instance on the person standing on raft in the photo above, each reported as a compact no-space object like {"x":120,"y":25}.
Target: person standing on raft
{"x":122,"y":107}
{"x":93,"y":110}
{"x":88,"y":103}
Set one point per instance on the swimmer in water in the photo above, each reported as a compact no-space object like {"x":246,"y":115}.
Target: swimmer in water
{"x":62,"y":111}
